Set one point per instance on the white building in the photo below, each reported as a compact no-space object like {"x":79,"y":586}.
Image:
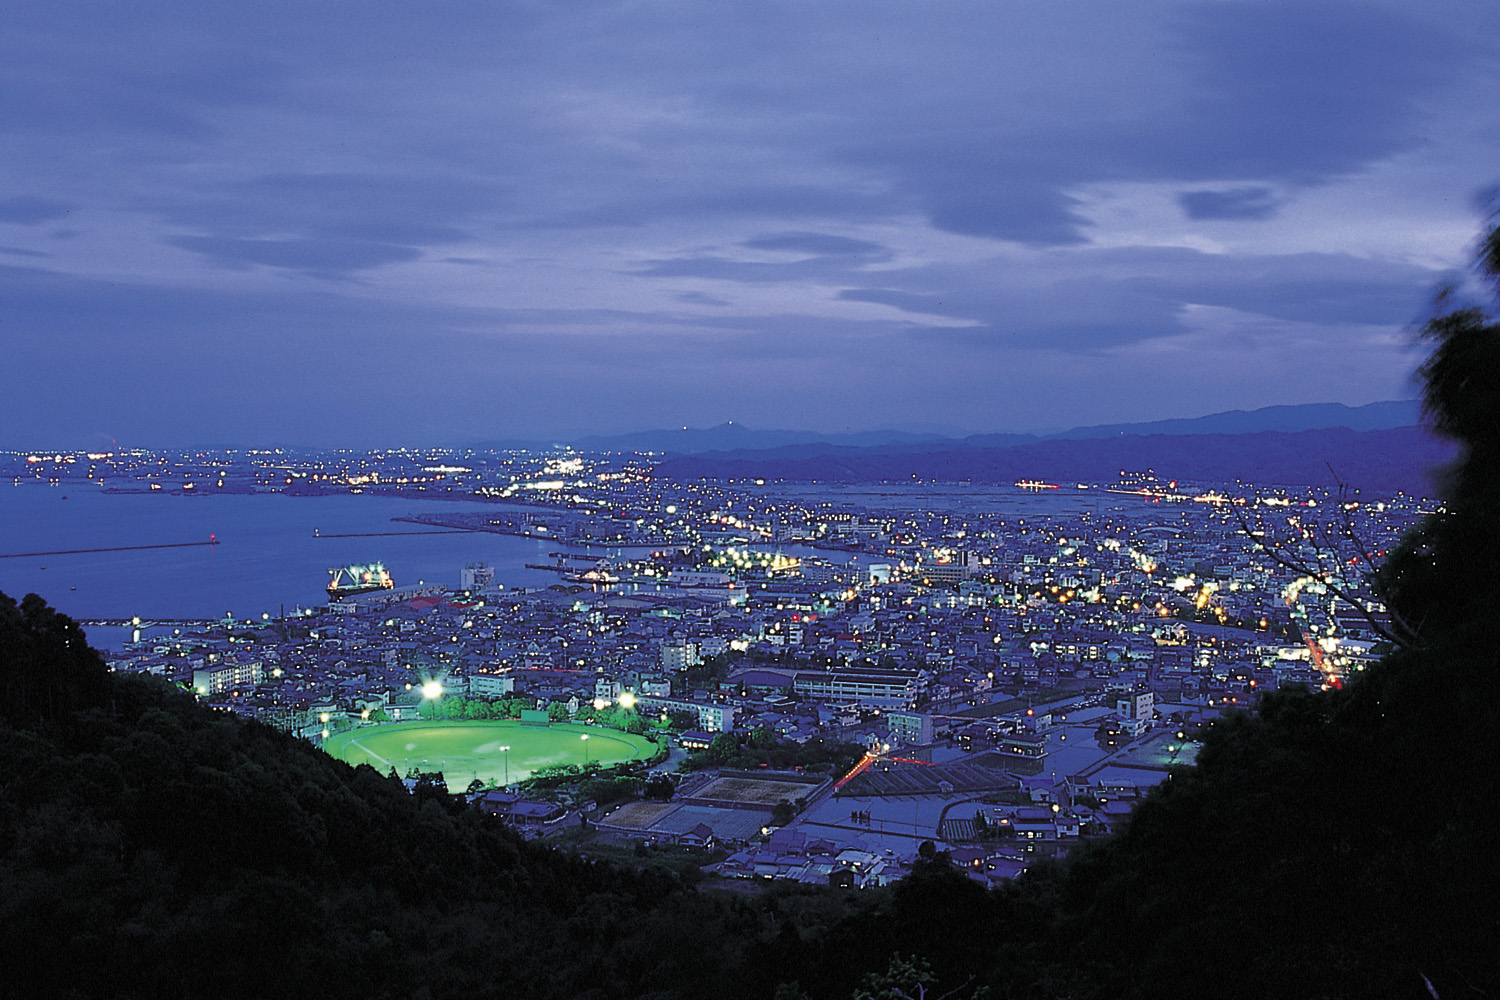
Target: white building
{"x":491,"y":685}
{"x":712,"y":718}
{"x":678,"y":654}
{"x":227,"y":676}
{"x":698,"y":578}
{"x":1136,"y":705}
{"x":477,"y":576}
{"x":911,"y":728}
{"x":882,"y":691}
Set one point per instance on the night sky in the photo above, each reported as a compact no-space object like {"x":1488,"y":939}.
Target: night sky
{"x":336,"y":223}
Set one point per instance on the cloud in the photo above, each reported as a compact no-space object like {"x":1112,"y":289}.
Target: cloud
{"x":1110,"y":299}
{"x":310,"y":256}
{"x":700,"y":299}
{"x":820,"y":257}
{"x":1305,"y":288}
{"x":29,"y":210}
{"x":820,"y":270}
{"x":819,"y":245}
{"x":1257,"y":90}
{"x":635,"y":197}
{"x":912,"y":302}
{"x":1234,"y":203}
{"x":1004,"y":202}
{"x":1304,"y":92}
{"x":328,"y":224}
{"x":423,"y":208}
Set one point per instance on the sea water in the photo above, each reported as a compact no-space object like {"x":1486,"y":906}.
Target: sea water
{"x":272,"y":551}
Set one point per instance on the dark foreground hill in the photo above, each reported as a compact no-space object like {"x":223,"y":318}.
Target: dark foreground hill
{"x":152,"y":848}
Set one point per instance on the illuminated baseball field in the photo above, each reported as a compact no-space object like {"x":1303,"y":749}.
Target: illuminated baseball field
{"x":502,"y":752}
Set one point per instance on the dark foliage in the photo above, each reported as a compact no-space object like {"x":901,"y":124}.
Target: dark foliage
{"x":151,"y":847}
{"x":762,"y":748}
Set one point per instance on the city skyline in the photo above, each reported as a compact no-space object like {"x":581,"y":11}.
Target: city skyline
{"x":345,"y":226}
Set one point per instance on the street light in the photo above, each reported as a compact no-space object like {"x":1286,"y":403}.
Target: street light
{"x":585,"y":739}
{"x":506,"y":751}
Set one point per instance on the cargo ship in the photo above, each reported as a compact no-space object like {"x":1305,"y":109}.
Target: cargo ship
{"x":346,"y":581}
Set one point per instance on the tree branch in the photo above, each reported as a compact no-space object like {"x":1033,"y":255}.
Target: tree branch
{"x":1398,"y":632}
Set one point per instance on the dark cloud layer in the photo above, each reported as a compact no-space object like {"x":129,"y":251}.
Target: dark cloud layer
{"x":819,"y":245}
{"x":1290,"y":92}
{"x":1235,"y":203}
{"x":28,"y":210}
{"x":1142,"y":295}
{"x":843,"y":214}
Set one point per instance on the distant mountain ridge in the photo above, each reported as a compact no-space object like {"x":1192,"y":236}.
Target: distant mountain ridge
{"x":736,"y":437}
{"x":732,"y":436}
{"x":1290,"y":419}
{"x":1378,"y":461}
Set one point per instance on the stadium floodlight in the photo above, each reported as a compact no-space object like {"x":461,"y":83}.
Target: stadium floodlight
{"x":585,"y":739}
{"x":627,"y":699}
{"x":432,"y":690}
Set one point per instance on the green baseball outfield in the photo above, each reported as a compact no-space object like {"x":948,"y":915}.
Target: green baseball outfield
{"x":463,"y":751}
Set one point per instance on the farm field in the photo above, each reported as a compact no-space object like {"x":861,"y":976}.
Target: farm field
{"x":755,"y":790}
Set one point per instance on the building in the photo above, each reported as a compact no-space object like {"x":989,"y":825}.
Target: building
{"x":477,"y":576}
{"x":491,"y":685}
{"x":698,"y":578}
{"x":678,"y":655}
{"x":713,"y":718}
{"x":821,"y":571}
{"x":911,"y":728}
{"x":1136,"y":705}
{"x":377,"y":599}
{"x":227,"y":676}
{"x":869,"y":690}
{"x":522,"y":812}
{"x":944,"y":567}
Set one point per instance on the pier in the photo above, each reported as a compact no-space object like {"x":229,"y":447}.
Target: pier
{"x":388,"y":534}
{"x":166,"y":622}
{"x":111,"y":548}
